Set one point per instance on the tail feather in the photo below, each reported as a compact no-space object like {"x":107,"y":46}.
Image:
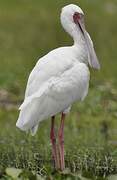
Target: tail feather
{"x":29,"y":115}
{"x":34,"y":130}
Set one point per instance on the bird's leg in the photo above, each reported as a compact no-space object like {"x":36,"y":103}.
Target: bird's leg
{"x":53,"y":141}
{"x":61,"y":143}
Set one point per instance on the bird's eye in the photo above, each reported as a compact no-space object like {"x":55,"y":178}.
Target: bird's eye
{"x":76,"y":17}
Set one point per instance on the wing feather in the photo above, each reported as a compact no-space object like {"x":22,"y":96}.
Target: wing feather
{"x":57,"y":94}
{"x":51,"y":65}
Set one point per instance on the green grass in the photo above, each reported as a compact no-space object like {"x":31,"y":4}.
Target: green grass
{"x":28,"y":30}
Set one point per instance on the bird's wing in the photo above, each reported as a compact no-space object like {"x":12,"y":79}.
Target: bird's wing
{"x":57,"y":94}
{"x":49,"y":66}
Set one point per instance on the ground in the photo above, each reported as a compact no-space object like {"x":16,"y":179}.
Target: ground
{"x":28,"y":30}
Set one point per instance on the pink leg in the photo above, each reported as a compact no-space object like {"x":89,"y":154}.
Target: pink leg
{"x":61,"y":143}
{"x":53,"y":141}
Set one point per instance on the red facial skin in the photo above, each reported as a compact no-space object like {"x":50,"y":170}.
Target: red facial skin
{"x":76,"y":17}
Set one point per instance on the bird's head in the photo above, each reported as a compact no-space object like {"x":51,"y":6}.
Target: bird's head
{"x":72,"y":20}
{"x":70,"y":16}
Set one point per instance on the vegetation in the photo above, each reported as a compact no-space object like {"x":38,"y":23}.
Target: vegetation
{"x":28,"y":30}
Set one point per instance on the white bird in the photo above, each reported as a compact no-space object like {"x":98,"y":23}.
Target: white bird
{"x":59,"y":79}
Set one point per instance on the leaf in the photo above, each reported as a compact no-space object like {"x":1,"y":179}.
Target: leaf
{"x":13,"y":172}
{"x":83,"y":178}
{"x":39,"y":177}
{"x":112,"y":177}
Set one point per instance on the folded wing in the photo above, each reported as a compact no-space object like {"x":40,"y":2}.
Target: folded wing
{"x":54,"y":96}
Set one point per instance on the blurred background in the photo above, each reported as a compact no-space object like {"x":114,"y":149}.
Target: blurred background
{"x":28,"y":30}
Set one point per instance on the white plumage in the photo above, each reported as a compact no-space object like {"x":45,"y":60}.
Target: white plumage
{"x":61,"y":77}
